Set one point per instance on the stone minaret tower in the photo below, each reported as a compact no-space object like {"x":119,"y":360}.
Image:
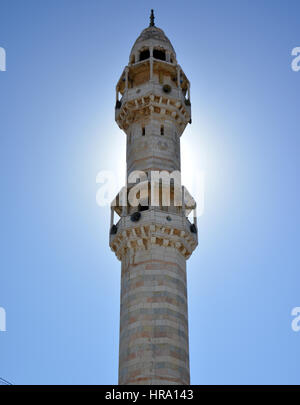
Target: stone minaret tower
{"x":153,"y":242}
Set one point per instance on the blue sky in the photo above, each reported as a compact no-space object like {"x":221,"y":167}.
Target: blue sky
{"x":59,"y":281}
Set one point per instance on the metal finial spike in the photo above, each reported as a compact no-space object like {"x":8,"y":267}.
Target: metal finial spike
{"x":152,"y":18}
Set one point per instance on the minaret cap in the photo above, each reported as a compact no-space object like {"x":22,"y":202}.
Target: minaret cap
{"x":152,"y":18}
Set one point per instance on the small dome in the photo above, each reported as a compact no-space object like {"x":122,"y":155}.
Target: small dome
{"x":152,"y":36}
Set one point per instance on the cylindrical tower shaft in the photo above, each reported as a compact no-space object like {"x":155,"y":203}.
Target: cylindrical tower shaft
{"x":154,"y":322}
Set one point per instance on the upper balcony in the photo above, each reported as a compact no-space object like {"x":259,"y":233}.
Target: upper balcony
{"x":161,"y":79}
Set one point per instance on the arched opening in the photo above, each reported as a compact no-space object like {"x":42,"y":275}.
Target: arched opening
{"x":145,"y":54}
{"x":159,"y":54}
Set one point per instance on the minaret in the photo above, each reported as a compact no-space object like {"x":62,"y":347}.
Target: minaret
{"x":153,"y":241}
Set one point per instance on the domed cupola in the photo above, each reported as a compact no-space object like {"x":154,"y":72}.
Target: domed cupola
{"x":152,"y":40}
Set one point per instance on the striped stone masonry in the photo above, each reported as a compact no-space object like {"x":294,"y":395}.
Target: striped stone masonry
{"x":154,"y":322}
